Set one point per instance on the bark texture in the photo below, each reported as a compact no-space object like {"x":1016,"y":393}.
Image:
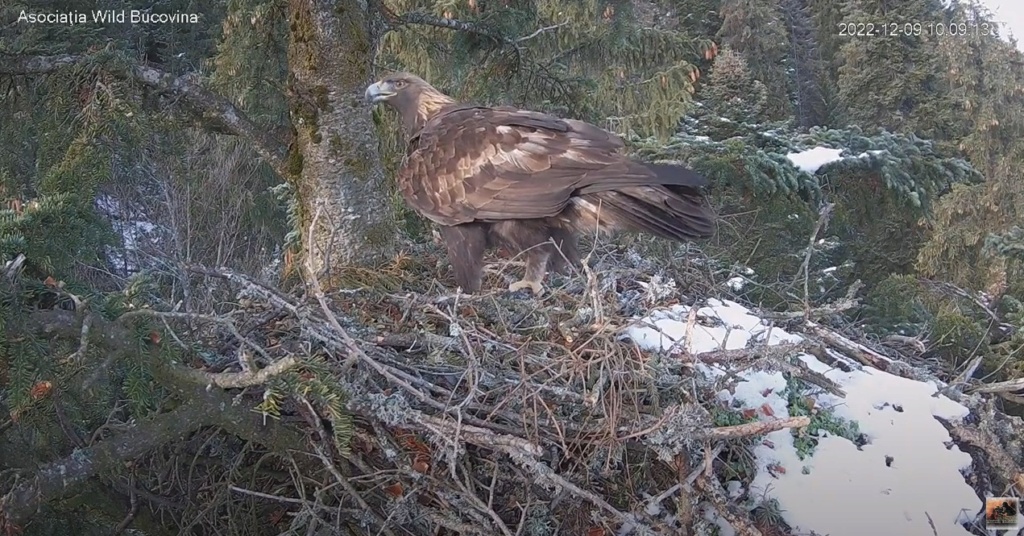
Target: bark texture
{"x":335,"y":161}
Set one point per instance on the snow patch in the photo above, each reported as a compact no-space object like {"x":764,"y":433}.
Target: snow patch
{"x":867,"y":154}
{"x":135,"y":233}
{"x":736,"y":283}
{"x":724,"y":528}
{"x":721,"y":325}
{"x":659,"y":288}
{"x":891,"y":485}
{"x":812,"y":159}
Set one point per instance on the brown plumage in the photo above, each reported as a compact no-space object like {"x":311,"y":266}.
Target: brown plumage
{"x":501,"y":176}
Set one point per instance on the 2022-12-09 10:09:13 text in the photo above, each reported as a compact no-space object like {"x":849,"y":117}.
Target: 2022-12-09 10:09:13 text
{"x":917,"y":29}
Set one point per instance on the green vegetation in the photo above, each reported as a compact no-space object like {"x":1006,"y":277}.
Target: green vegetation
{"x":822,"y":420}
{"x":116,"y":191}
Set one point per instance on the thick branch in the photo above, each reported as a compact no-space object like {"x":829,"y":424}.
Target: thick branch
{"x":184,"y":382}
{"x":58,"y":479}
{"x":116,"y":338}
{"x":853,"y":349}
{"x":758,"y":428}
{"x":215,"y":111}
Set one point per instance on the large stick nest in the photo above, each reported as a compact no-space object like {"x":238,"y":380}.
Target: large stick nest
{"x":494,"y":413}
{"x":505,"y":414}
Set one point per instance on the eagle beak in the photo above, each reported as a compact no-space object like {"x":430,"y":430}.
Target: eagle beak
{"x":379,"y":91}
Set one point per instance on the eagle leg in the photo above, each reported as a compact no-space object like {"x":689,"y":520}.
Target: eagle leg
{"x":564,"y":254}
{"x":466,"y":246}
{"x":536,"y":266}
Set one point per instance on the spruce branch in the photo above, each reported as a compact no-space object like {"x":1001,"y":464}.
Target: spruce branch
{"x":214,"y":111}
{"x":244,"y":359}
{"x":58,"y":479}
{"x":185,"y":382}
{"x":426,"y":19}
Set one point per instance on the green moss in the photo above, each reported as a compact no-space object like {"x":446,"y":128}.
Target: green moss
{"x":301,"y":28}
{"x":355,"y":68}
{"x":295,"y":163}
{"x":379,"y":235}
{"x":729,"y":417}
{"x":309,"y":115}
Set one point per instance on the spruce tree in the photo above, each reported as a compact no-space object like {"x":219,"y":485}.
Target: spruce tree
{"x":588,"y":59}
{"x":987,"y":85}
{"x":891,"y":81}
{"x":757,"y":30}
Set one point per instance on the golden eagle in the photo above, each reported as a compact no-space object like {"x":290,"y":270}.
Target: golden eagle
{"x":529,"y":181}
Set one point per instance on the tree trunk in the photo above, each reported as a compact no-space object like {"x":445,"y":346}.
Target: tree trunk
{"x":334,"y":162}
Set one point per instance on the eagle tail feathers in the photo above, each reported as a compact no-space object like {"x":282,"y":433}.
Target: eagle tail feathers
{"x":675,"y":175}
{"x":665,"y":211}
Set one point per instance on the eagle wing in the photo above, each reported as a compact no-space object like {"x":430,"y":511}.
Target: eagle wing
{"x":473,"y":163}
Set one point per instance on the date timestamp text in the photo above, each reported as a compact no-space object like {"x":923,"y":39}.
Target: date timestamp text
{"x":917,"y":29}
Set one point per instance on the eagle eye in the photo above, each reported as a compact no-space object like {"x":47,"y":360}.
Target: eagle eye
{"x":400,"y":83}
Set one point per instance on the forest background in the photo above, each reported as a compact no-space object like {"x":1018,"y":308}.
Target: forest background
{"x":140,"y":162}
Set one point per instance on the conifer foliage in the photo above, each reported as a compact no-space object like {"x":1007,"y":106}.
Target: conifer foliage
{"x":592,"y":59}
{"x":926,"y":198}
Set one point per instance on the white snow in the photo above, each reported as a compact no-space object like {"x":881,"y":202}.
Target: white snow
{"x":812,"y":159}
{"x":659,"y":288}
{"x":733,"y":327}
{"x":724,"y":528}
{"x":736,"y":283}
{"x":134,"y":233}
{"x":873,"y":152}
{"x":839,"y":490}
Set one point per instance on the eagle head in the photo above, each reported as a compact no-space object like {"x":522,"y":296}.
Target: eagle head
{"x":395,"y":89}
{"x":413,"y":98}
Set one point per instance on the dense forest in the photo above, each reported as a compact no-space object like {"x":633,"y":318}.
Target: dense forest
{"x":218,"y":316}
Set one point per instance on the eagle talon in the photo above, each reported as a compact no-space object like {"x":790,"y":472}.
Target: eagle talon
{"x":534,"y":287}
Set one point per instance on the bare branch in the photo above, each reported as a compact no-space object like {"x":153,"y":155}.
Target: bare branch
{"x":238,"y":380}
{"x":853,"y":349}
{"x":216,"y":112}
{"x":541,"y":31}
{"x":824,"y":213}
{"x":758,"y":428}
{"x":426,"y":19}
{"x":1008,"y":386}
{"x":737,"y":517}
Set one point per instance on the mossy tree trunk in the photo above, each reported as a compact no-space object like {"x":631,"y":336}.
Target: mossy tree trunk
{"x":334,"y":162}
